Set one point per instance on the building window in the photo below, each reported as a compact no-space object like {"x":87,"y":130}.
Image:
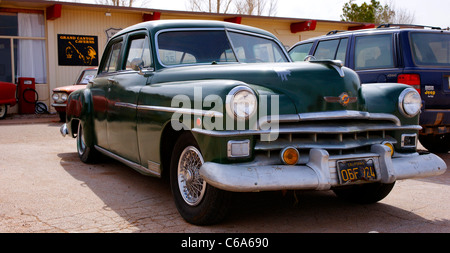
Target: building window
{"x":22,"y":46}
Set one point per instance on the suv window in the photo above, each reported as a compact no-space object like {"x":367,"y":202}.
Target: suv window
{"x":375,"y":51}
{"x":112,"y":62}
{"x":332,"y":49}
{"x":431,"y":49}
{"x":300,"y":52}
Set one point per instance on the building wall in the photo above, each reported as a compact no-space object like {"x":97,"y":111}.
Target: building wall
{"x":81,"y":22}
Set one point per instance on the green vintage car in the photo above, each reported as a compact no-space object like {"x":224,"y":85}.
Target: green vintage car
{"x":219,"y":107}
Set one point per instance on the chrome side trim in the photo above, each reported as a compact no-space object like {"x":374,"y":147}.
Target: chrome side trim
{"x":126,"y":105}
{"x":180,"y":110}
{"x":153,"y":171}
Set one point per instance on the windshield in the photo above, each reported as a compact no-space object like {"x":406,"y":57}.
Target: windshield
{"x":213,"y":46}
{"x":87,"y":76}
{"x":432,"y":49}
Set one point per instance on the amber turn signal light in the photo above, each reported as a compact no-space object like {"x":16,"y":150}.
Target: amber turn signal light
{"x":290,"y":156}
{"x":390,"y":146}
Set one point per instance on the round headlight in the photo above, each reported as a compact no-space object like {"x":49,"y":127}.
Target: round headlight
{"x":55,"y":96}
{"x":409,"y":102}
{"x":64,"y":96}
{"x":241,"y":102}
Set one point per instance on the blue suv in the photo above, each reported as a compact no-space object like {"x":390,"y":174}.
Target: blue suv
{"x":417,"y":57}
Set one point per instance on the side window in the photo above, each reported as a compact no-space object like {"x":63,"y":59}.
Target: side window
{"x":326,"y":50}
{"x":372,"y":52}
{"x":112,"y":62}
{"x":300,"y":52}
{"x":342,"y":50}
{"x":139,"y":49}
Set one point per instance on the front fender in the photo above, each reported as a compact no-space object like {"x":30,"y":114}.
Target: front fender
{"x":384,"y":98}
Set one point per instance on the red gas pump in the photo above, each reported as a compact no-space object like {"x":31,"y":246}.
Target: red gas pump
{"x":26,"y":92}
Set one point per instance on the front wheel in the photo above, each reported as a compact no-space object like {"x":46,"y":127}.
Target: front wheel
{"x":196,"y":201}
{"x":364,"y":193}
{"x":86,"y":153}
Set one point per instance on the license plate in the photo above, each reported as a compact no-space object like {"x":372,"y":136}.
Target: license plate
{"x":356,"y":170}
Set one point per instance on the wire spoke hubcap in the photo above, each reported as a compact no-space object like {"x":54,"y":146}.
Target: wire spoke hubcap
{"x":191,"y":184}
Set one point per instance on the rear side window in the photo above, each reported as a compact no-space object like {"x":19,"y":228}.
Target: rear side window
{"x":374,"y":52}
{"x":300,"y":52}
{"x":326,"y":50}
{"x":112,"y":62}
{"x":431,"y":48}
{"x":332,"y":50}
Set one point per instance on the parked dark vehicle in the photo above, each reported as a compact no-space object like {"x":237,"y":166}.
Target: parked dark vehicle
{"x":413,"y":56}
{"x":219,"y":107}
{"x":7,"y":97}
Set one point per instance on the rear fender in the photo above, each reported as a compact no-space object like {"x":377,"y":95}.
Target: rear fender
{"x":80,"y":110}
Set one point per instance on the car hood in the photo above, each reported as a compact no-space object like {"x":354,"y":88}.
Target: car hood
{"x":69,"y":88}
{"x":309,"y":86}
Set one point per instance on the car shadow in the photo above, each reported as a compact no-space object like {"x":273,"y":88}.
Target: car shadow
{"x":145,"y":204}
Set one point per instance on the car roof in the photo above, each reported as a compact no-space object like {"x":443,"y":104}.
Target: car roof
{"x":380,"y":29}
{"x":158,"y":25}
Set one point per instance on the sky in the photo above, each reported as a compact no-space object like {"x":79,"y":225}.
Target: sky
{"x":429,"y":12}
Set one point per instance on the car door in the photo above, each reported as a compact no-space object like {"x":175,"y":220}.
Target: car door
{"x":100,"y":86}
{"x":123,"y":96}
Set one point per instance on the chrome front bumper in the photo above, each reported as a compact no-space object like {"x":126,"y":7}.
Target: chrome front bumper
{"x":64,"y":131}
{"x":319,"y":173}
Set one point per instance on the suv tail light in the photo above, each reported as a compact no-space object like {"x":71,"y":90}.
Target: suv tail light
{"x":410,"y":79}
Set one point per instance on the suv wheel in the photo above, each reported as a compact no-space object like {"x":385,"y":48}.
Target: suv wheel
{"x":436,"y":143}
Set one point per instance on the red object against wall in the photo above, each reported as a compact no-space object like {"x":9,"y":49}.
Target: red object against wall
{"x":236,"y":20}
{"x":54,"y":12}
{"x":26,"y":92}
{"x":149,"y":17}
{"x":7,"y":93}
{"x":309,"y":25}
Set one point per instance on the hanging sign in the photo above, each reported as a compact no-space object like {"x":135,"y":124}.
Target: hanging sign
{"x":77,"y":50}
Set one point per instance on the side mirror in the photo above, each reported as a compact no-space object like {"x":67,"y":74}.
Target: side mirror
{"x":137,"y":64}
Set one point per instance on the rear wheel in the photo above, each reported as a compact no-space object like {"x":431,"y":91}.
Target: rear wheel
{"x":196,"y":201}
{"x":364,"y":193}
{"x":3,"y":111}
{"x":87,"y":153}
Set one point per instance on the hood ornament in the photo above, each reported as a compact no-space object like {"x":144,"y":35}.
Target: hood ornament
{"x":344,"y":99}
{"x":336,"y":64}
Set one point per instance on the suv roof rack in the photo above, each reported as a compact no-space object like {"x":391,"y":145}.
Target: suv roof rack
{"x":408,"y":25}
{"x":335,"y":31}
